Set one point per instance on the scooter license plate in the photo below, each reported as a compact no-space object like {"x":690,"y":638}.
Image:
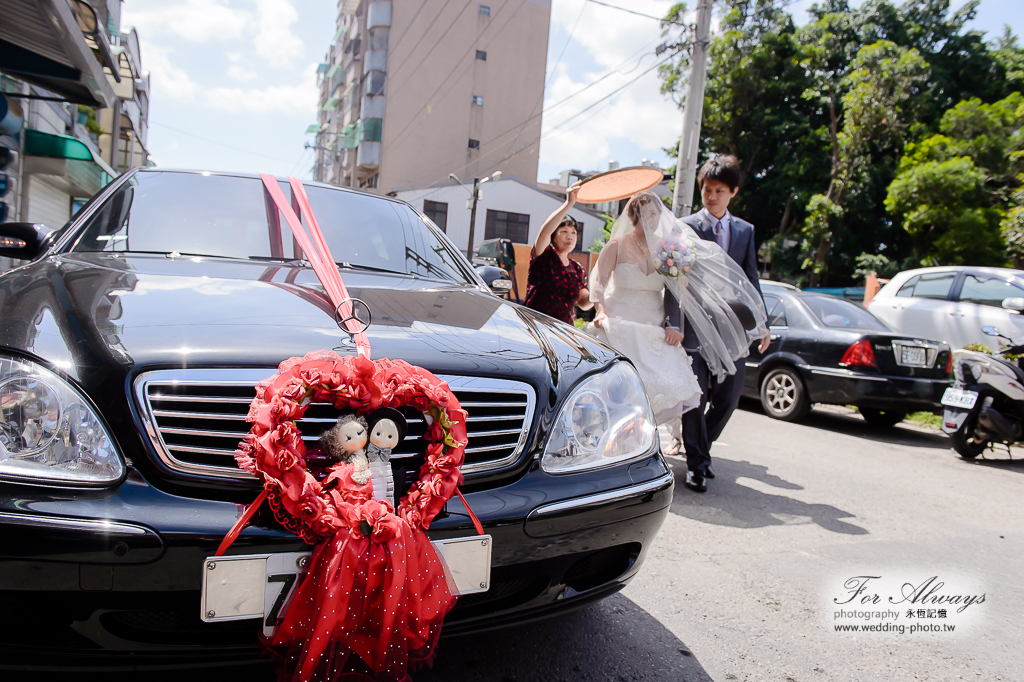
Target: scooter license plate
{"x":955,"y":397}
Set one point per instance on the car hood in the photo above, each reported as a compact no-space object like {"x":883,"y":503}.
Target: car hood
{"x":101,"y":317}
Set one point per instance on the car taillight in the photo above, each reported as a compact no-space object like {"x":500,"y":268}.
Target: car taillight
{"x":859,"y":354}
{"x":949,"y":363}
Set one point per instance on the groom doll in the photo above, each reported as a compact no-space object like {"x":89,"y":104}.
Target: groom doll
{"x":719,"y":181}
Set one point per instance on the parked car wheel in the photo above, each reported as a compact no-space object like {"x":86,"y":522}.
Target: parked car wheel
{"x":965,"y":444}
{"x":883,"y":419}
{"x":783,"y":395}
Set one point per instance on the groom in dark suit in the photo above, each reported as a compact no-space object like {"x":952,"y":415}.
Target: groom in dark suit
{"x":719,"y":180}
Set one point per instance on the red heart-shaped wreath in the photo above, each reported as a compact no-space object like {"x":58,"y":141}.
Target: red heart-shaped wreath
{"x":274,"y":451}
{"x":374,"y":586}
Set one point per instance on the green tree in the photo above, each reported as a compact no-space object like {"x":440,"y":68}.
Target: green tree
{"x":775,"y":99}
{"x":753,"y":109}
{"x":1010,"y":56}
{"x":882,"y":83}
{"x":955,"y":189}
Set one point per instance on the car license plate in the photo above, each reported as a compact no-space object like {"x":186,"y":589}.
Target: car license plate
{"x":261,"y":585}
{"x":913,"y":356}
{"x":955,"y":397}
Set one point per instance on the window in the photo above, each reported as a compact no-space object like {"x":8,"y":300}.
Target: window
{"x":507,"y":225}
{"x":437,"y":211}
{"x":988,"y":290}
{"x":371,"y":130}
{"x":478,"y":100}
{"x":776,"y":312}
{"x":474,"y":144}
{"x":226,"y":216}
{"x":481,"y":55}
{"x":485,"y":10}
{"x":835,"y":312}
{"x":373,"y":83}
{"x":934,"y":285}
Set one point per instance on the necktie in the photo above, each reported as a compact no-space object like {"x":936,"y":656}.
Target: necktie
{"x":720,"y":234}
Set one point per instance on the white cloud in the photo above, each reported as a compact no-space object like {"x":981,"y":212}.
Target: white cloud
{"x":608,"y":39}
{"x":275,"y":40}
{"x":297,"y":98}
{"x":196,"y":21}
{"x":267,"y":23}
{"x":238,"y":73}
{"x":167,"y":79}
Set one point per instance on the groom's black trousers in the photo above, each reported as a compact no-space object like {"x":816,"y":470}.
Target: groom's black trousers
{"x":719,"y":398}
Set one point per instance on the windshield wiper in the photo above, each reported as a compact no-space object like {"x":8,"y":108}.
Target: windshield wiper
{"x":371,"y":268}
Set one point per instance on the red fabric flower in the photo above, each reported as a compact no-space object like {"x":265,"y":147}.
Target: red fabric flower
{"x":435,"y":433}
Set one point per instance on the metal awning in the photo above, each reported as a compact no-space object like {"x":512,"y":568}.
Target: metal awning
{"x":42,"y":43}
{"x":81,"y":171}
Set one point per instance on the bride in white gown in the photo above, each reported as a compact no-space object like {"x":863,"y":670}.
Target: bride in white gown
{"x":723,"y":310}
{"x":629,"y":296}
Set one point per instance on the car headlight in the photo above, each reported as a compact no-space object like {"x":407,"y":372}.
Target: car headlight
{"x":48,"y":431}
{"x":605,"y":420}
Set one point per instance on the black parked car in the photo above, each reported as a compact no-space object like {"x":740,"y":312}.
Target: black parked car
{"x":828,"y":350}
{"x":129,"y":349}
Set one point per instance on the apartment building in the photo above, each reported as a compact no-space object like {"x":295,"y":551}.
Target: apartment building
{"x":412,"y":90}
{"x":76,"y":106}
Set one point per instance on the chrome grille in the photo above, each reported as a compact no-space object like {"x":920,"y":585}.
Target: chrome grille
{"x":196,"y":417}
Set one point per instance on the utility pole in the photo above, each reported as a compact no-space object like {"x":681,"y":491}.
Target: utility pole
{"x":472,"y":218}
{"x":686,"y":164}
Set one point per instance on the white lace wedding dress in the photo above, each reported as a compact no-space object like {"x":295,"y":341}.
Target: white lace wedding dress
{"x":632,"y":294}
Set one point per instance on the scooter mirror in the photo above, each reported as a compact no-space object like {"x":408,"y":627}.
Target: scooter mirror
{"x":1015,"y":303}
{"x":991,"y":331}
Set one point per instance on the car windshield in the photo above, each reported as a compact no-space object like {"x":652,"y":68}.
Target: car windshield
{"x":835,"y":312}
{"x":234,"y":217}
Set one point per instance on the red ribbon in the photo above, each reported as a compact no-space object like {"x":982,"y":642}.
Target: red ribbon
{"x":241,"y":523}
{"x":318,"y":253}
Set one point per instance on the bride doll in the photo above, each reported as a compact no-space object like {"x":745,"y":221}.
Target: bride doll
{"x":629,"y":287}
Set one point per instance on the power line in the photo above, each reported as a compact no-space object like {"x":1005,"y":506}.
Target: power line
{"x":412,"y":22}
{"x":550,"y":134}
{"x":420,"y":62}
{"x":556,"y":105}
{"x":639,"y":14}
{"x":564,"y":47}
{"x":220,"y":144}
{"x":554,"y":70}
{"x":451,"y":73}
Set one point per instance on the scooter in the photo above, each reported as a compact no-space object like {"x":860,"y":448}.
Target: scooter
{"x":985,"y":404}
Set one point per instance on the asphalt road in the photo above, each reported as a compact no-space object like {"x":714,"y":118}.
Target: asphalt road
{"x":740,"y":582}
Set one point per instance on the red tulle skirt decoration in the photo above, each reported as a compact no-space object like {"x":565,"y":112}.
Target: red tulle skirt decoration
{"x":383,"y":602}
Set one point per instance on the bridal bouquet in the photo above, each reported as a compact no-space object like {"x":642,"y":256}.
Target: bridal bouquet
{"x":673,"y":257}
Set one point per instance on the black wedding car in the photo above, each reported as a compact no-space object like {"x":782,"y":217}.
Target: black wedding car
{"x":829,"y":350}
{"x":129,"y":347}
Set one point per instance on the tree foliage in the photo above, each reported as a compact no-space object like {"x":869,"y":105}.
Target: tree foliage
{"x":822,"y":117}
{"x":953,"y":188}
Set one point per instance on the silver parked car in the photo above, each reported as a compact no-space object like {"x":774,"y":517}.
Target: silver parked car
{"x":953,"y":303}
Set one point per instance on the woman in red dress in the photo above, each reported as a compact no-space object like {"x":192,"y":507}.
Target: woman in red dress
{"x":556,"y":283}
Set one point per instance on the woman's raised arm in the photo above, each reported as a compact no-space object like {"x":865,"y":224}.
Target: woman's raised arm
{"x":554,"y":220}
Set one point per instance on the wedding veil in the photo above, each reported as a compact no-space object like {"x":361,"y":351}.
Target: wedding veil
{"x":715,"y":297}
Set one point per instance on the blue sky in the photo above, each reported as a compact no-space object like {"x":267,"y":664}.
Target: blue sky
{"x":233,"y":81}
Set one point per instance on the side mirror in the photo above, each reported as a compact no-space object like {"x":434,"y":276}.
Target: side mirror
{"x":24,"y":241}
{"x":1016,"y":303}
{"x":991,"y":331}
